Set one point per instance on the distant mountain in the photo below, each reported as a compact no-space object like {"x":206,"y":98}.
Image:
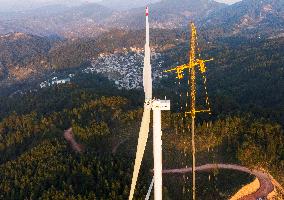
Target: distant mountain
{"x":125,"y":4}
{"x":76,"y":21}
{"x":249,"y":17}
{"x":23,"y":6}
{"x":91,"y":19}
{"x":166,"y":14}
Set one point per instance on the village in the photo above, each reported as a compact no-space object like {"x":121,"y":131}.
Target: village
{"x":125,"y":68}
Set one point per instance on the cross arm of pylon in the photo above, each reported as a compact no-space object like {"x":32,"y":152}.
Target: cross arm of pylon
{"x":200,"y":111}
{"x":179,"y":70}
{"x":201,"y":64}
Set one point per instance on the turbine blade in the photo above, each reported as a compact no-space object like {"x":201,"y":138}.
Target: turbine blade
{"x":144,"y":129}
{"x":147,"y":70}
{"x":142,"y":140}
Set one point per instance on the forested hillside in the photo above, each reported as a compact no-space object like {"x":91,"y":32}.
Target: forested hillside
{"x":38,"y":163}
{"x":62,"y":71}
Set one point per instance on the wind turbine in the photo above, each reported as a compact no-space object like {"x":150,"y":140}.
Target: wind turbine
{"x":157,"y":106}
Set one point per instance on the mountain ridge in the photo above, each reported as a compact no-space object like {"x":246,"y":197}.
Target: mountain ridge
{"x":99,"y":19}
{"x":251,"y":17}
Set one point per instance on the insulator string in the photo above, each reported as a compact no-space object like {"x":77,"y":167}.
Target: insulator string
{"x":206,"y":92}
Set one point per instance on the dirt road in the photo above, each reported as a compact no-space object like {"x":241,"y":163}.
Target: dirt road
{"x":266,"y":186}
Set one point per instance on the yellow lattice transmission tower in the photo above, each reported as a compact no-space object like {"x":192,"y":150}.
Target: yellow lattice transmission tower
{"x":191,"y":67}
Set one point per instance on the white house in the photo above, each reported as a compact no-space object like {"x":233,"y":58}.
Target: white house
{"x":61,"y":81}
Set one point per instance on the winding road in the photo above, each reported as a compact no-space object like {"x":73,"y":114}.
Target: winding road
{"x":266,"y":185}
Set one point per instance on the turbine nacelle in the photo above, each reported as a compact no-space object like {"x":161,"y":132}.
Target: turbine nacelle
{"x":161,"y":105}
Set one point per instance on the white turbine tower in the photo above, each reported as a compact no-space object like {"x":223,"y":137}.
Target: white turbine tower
{"x":157,"y":106}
